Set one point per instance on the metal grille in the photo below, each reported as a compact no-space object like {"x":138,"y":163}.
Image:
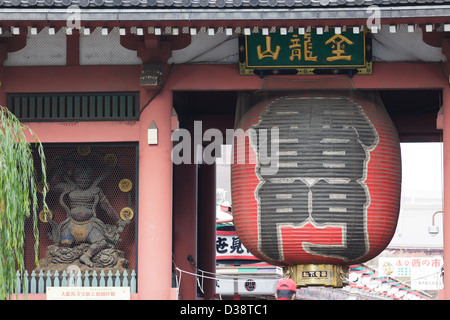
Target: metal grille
{"x":75,"y":106}
{"x":86,"y":212}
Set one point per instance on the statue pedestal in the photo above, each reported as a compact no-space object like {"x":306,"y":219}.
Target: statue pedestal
{"x":68,"y":259}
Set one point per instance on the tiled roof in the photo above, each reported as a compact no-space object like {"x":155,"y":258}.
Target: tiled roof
{"x":26,"y":11}
{"x":215,"y":3}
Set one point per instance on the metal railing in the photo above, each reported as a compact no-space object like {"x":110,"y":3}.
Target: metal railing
{"x":38,"y":283}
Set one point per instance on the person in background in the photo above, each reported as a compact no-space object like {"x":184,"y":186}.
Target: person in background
{"x":285,"y":290}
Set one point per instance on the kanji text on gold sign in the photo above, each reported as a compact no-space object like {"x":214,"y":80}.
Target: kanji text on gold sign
{"x":307,"y":50}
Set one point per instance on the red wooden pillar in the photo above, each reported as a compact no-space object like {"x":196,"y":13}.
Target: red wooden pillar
{"x":185,"y":227}
{"x":3,"y":56}
{"x":207,"y":228}
{"x":155,"y":201}
{"x":3,"y":96}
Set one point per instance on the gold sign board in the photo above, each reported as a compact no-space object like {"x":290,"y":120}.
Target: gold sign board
{"x":318,"y":274}
{"x":314,"y":52}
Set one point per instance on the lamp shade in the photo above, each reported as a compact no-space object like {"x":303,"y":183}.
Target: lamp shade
{"x":321,"y":181}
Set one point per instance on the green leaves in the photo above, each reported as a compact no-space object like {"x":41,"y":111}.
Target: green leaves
{"x":18,"y":197}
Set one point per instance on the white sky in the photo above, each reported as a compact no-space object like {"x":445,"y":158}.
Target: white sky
{"x":421,"y":196}
{"x":422,"y":166}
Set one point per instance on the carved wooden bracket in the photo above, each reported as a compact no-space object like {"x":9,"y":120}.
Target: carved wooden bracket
{"x":154,"y":52}
{"x":446,"y":51}
{"x":439,"y":39}
{"x":11,"y":44}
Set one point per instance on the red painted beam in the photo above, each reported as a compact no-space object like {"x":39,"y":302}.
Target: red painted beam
{"x":385,"y":76}
{"x":71,"y":78}
{"x":215,"y":77}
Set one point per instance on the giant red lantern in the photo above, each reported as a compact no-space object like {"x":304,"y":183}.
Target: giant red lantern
{"x":323,"y":191}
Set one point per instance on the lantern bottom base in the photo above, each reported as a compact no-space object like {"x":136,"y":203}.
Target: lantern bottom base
{"x":330,"y":275}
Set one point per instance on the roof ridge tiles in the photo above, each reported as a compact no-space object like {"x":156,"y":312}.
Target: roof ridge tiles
{"x":210,"y":3}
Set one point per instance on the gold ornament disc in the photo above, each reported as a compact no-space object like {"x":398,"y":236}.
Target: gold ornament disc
{"x":125,"y":185}
{"x":40,"y":187}
{"x":126,"y":213}
{"x":44,"y":214}
{"x":110,"y":159}
{"x":84,"y":151}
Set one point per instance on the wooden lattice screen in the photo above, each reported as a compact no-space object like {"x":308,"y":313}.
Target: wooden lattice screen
{"x":118,"y":106}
